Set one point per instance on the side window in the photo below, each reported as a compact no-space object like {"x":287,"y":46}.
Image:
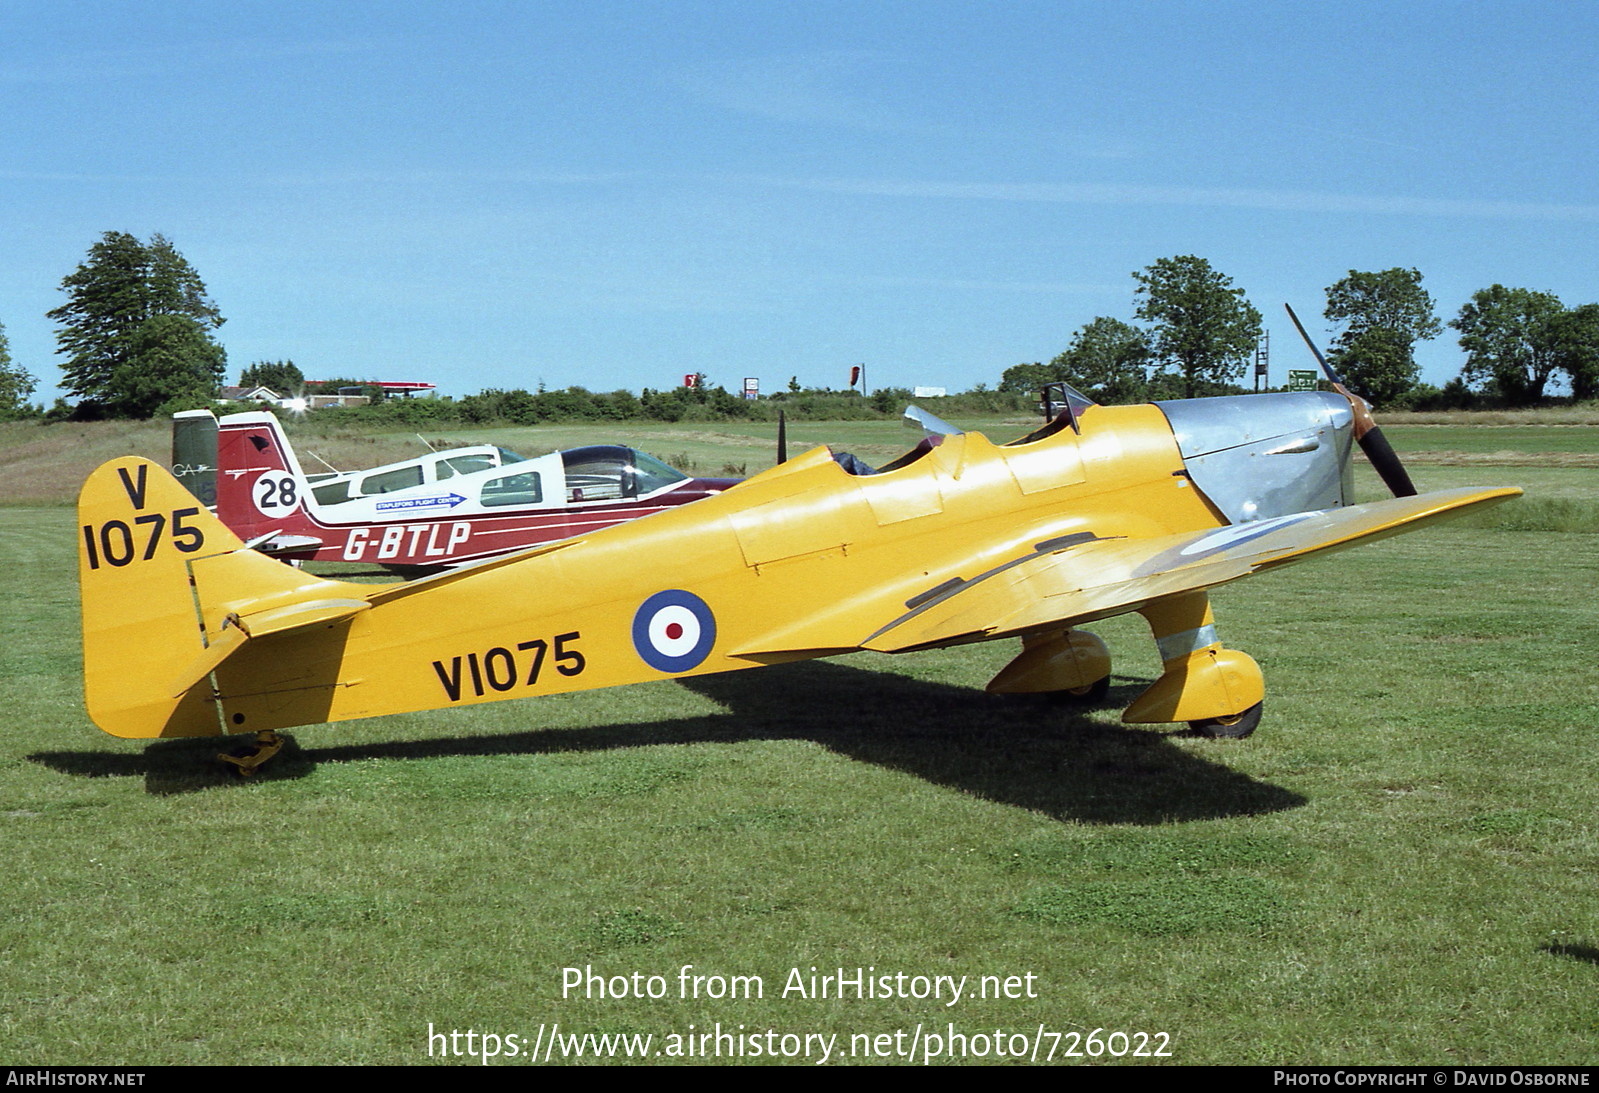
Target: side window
{"x":333,"y":493}
{"x":650,"y":474}
{"x":598,"y":473}
{"x":401,"y":479}
{"x":465,"y":464}
{"x":513,"y":489}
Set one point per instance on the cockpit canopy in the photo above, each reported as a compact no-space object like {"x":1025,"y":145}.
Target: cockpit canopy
{"x":610,"y":472}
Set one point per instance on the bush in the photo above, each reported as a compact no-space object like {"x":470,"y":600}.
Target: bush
{"x":677,"y":404}
{"x":1454,"y":395}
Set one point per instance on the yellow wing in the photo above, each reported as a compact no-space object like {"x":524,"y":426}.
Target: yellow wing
{"x":1087,"y":577}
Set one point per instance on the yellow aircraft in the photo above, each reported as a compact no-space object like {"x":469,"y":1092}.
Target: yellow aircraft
{"x":1105,"y":510}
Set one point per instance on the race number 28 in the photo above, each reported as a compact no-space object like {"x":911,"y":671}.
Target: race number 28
{"x":275,"y":492}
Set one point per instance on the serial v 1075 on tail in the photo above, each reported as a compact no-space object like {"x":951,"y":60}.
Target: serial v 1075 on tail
{"x":443,"y":509}
{"x":1105,"y":510}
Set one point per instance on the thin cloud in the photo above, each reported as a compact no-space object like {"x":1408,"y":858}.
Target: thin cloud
{"x":73,"y":67}
{"x":962,"y":284}
{"x":826,"y":88}
{"x":1097,"y":193}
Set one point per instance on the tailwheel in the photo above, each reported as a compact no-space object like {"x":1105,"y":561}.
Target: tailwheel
{"x":1235,"y":727}
{"x":248,"y":761}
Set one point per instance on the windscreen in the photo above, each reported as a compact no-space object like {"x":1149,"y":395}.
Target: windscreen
{"x":610,"y":472}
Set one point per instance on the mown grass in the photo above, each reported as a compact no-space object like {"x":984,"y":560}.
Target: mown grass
{"x":1397,"y":868}
{"x":1582,"y":413}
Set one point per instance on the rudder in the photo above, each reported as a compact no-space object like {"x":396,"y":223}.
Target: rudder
{"x":261,"y":488}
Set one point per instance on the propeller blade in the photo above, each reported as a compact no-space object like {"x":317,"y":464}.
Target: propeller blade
{"x":782,"y":438}
{"x":1367,"y":433}
{"x":1386,"y":461}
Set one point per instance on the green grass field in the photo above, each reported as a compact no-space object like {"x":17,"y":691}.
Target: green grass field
{"x":1397,"y":868}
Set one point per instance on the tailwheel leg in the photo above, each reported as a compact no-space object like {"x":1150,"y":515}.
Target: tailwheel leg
{"x":267,"y":744}
{"x":1218,"y":691}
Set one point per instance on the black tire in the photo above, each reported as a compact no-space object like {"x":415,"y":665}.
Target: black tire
{"x":1091,"y":695}
{"x":1229,"y":728}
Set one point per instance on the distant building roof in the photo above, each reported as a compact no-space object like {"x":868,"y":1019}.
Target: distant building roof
{"x":388,"y":387}
{"x":251,"y":394}
{"x":305,"y":402}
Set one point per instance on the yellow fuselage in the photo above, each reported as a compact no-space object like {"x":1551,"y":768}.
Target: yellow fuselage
{"x":803,"y":560}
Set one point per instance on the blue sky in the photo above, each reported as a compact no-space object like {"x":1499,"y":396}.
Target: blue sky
{"x":614,"y":194}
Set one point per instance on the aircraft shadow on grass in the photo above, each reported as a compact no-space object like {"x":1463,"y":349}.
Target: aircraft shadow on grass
{"x":1024,"y":751}
{"x":1588,"y":954}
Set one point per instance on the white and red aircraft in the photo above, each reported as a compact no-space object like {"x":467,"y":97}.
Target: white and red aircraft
{"x":440,"y":510}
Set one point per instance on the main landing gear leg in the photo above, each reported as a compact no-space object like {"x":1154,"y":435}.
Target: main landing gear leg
{"x":1071,"y":664}
{"x":267,"y":744}
{"x":1218,"y":691}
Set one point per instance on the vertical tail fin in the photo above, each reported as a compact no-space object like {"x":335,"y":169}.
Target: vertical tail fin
{"x":151,"y":638}
{"x":260,"y":488}
{"x":194,"y":453}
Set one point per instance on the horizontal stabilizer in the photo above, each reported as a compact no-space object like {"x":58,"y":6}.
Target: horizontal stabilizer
{"x":279,"y":543}
{"x":299,"y":615}
{"x":221,"y":648}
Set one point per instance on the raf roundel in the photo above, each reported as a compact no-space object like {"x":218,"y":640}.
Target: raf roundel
{"x":673,"y":631}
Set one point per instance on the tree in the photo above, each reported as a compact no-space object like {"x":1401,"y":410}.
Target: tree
{"x":16,"y":384}
{"x":1377,"y":364}
{"x":125,"y":353}
{"x":173,"y":365}
{"x":282,"y":377}
{"x":1108,"y":360}
{"x":1202,"y":327}
{"x":1028,"y":379}
{"x":1385,"y":314}
{"x":1511,"y":339}
{"x":177,"y":287}
{"x":1577,"y":349}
